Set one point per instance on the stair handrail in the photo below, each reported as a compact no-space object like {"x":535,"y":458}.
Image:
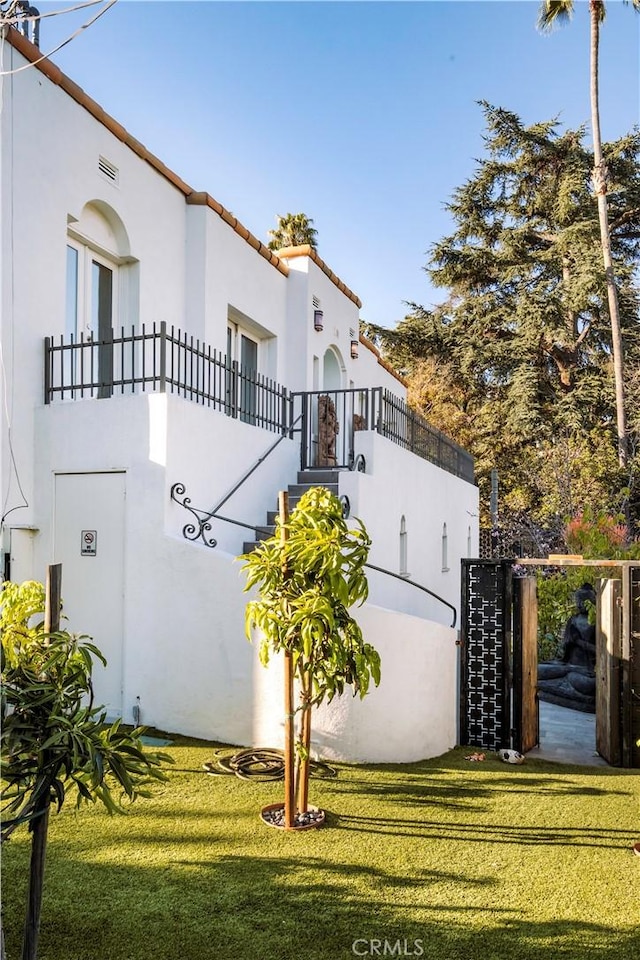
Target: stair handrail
{"x":254,"y":467}
{"x":204,"y":517}
{"x":419,"y":586}
{"x":190,"y":532}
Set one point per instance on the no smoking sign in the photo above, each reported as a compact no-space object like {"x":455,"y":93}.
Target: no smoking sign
{"x":89,"y":543}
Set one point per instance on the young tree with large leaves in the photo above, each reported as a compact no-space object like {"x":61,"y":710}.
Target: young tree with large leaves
{"x":293,"y":230}
{"x":551,"y":12}
{"x":309,"y":574}
{"x":523,"y":341}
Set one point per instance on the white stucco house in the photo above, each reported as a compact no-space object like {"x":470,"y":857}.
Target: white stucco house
{"x":154,"y":354}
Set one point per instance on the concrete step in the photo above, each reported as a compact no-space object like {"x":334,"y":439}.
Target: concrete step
{"x":296,"y":490}
{"x":306,"y":480}
{"x":265,"y":532}
{"x":317,"y":478}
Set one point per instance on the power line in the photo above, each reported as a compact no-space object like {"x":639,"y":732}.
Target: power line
{"x":55,"y":13}
{"x":46,"y":56}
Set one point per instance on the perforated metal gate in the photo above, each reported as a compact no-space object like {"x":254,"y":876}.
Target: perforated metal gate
{"x":485,"y":687}
{"x":631,"y":677}
{"x":493,"y":679}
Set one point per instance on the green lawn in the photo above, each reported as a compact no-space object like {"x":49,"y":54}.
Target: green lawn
{"x":463,"y":861}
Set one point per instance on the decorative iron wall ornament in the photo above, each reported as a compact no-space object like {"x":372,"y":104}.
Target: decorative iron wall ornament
{"x":200,"y":529}
{"x":485,"y":700}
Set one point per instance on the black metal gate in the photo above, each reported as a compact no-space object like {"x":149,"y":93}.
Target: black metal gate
{"x":485,"y":674}
{"x":498,"y":706}
{"x":631,"y":675}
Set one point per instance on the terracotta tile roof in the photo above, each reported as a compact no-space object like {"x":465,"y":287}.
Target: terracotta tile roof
{"x":305,"y":250}
{"x":383,"y":363}
{"x":197,"y":198}
{"x":55,"y":74}
{"x":202,"y":199}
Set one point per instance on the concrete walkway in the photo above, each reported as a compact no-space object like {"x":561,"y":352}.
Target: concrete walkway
{"x":567,"y":736}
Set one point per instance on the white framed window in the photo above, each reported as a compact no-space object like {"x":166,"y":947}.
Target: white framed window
{"x":102,"y":296}
{"x":91,"y":312}
{"x":445,"y":549}
{"x":243,"y":355}
{"x":92,"y":292}
{"x":404,"y":570}
{"x":243,"y":347}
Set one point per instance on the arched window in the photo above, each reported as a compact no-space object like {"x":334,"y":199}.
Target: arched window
{"x":445,"y":549}
{"x":100,"y":281}
{"x":404,"y":571}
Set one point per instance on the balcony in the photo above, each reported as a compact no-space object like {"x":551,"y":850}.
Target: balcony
{"x":163,"y":359}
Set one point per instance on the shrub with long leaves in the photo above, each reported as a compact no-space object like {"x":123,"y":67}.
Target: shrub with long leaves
{"x":53,"y":737}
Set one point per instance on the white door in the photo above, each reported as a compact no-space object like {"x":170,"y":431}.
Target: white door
{"x":88,"y":540}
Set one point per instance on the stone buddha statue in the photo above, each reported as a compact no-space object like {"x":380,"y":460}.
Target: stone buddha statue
{"x":570,"y":680}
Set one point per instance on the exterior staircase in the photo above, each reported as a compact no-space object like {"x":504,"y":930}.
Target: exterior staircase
{"x":306,"y":479}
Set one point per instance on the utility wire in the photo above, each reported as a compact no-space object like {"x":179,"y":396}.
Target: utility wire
{"x":13,"y":467}
{"x":55,"y":13}
{"x":20,"y":506}
{"x":10,"y":16}
{"x":46,"y":56}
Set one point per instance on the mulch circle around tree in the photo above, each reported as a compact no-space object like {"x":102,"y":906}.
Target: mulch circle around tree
{"x":273,"y":816}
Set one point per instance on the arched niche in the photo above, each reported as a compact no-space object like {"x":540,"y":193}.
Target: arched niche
{"x":101,"y":228}
{"x":333,"y":370}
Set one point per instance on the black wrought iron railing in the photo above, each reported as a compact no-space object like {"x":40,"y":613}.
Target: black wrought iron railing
{"x":332,"y":418}
{"x":163,"y":359}
{"x":408,"y":429}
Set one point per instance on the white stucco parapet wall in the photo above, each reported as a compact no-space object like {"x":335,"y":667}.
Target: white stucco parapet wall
{"x":411,"y":716}
{"x":396,"y":484}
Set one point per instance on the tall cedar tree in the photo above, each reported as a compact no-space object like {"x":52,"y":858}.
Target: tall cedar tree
{"x":523,"y":341}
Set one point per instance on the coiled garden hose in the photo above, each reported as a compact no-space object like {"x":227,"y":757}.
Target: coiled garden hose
{"x":261,"y":763}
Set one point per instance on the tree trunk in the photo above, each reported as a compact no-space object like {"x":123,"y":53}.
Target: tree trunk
{"x":600,"y":187}
{"x":302,"y":778}
{"x":40,"y":827}
{"x":289,"y":778}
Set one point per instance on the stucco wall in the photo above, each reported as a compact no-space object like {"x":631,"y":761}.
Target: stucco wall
{"x":181,"y":264}
{"x":184,"y":652}
{"x":397,"y":483}
{"x":340,"y":321}
{"x":410,"y":716}
{"x":183,"y":614}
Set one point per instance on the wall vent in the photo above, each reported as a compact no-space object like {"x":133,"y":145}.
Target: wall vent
{"x":108,"y":170}
{"x":316,"y":303}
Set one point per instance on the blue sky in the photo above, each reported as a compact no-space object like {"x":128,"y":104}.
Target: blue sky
{"x":363,"y":115}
